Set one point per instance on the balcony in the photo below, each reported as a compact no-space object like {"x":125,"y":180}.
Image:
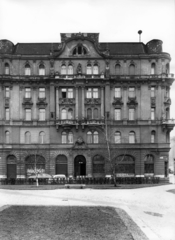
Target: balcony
{"x":66,"y":101}
{"x":93,"y":122}
{"x":168,"y":124}
{"x":67,"y":123}
{"x":92,"y":101}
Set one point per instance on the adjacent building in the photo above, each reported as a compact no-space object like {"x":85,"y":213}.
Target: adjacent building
{"x":57,"y":99}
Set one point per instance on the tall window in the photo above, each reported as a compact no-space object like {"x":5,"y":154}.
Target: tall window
{"x":89,"y":69}
{"x":70,"y":114}
{"x":89,"y":93}
{"x":7,"y":114}
{"x":95,"y":137}
{"x":95,"y":69}
{"x":42,"y":69}
{"x":7,"y":137}
{"x":70,"y":137}
{"x":131,"y":114}
{"x":41,"y":137}
{"x":7,"y":69}
{"x":27,"y":69}
{"x":92,"y":93}
{"x":132,"y":137}
{"x":132,"y":69}
{"x":70,"y":69}
{"x":7,"y":92}
{"x":28,"y":114}
{"x":149,"y":164}
{"x":152,"y":92}
{"x":153,"y":135}
{"x":64,"y":137}
{"x":27,"y":92}
{"x":27,"y":137}
{"x":67,"y":92}
{"x":42,"y":93}
{"x":42,"y":114}
{"x":117,"y":114}
{"x":153,"y":68}
{"x":132,"y":92}
{"x":95,"y":113}
{"x":63,"y":114}
{"x":89,"y":113}
{"x":152,"y":113}
{"x":95,"y":92}
{"x":117,"y":69}
{"x":63,"y":69}
{"x":70,"y":93}
{"x":89,"y":137}
{"x":117,"y":137}
{"x":117,"y":92}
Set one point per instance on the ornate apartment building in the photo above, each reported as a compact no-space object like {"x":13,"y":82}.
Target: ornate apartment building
{"x":57,"y":99}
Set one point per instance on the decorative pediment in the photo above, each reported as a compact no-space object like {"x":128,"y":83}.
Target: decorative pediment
{"x":27,"y":102}
{"x":132,"y":101}
{"x":42,"y":102}
{"x":117,"y":101}
{"x":80,"y":144}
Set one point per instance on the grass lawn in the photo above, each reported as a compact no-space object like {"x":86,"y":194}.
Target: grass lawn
{"x":66,"y":223}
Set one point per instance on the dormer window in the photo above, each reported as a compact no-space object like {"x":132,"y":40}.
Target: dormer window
{"x":79,"y":50}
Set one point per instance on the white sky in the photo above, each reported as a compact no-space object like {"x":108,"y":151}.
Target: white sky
{"x":115,"y":20}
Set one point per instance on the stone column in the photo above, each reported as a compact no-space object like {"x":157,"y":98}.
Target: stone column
{"x":76,"y":103}
{"x":57,"y":103}
{"x":102,"y":102}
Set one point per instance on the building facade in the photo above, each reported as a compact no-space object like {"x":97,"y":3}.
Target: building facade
{"x":58,"y":99}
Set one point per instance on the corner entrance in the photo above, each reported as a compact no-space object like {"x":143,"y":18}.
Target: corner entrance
{"x":79,"y":166}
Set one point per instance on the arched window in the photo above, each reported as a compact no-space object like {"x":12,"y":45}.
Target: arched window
{"x":7,"y":137}
{"x":125,"y":164}
{"x":41,"y":137}
{"x":35,"y":163}
{"x":27,"y":69}
{"x":153,"y":68}
{"x":11,"y":167}
{"x":95,"y":113}
{"x":63,"y":69}
{"x":95,"y":137}
{"x":98,"y":165}
{"x":70,"y":114}
{"x":7,"y":69}
{"x":79,"y":50}
{"x":117,"y":137}
{"x":153,"y":135}
{"x":89,"y":69}
{"x":149,"y":164}
{"x":89,"y":113}
{"x":117,"y":69}
{"x":132,"y":69}
{"x":95,"y":69}
{"x":63,"y":114}
{"x":70,"y":137}
{"x":27,"y":137}
{"x":61,"y":165}
{"x":64,"y":137}
{"x":132,"y":137}
{"x":89,"y":137}
{"x":70,"y":69}
{"x":41,"y":69}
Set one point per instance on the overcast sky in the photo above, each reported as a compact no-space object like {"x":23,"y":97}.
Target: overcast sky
{"x":115,"y":20}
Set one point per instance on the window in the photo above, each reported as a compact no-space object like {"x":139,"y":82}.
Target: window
{"x":153,"y":92}
{"x":153,"y":68}
{"x":117,"y":114}
{"x":131,"y":114}
{"x":149,"y":164}
{"x":95,"y":69}
{"x":117,"y":92}
{"x":89,"y":69}
{"x":7,"y":114}
{"x":153,"y":135}
{"x":152,"y":113}
{"x":89,"y":113}
{"x":98,"y":164}
{"x":42,"y":93}
{"x":167,"y":136}
{"x":117,"y":69}
{"x":167,"y":92}
{"x":89,"y":137}
{"x":92,"y":93}
{"x":132,"y":69}
{"x":67,"y":93}
{"x":28,"y":114}
{"x":27,"y":69}
{"x":64,"y":137}
{"x":167,"y":68}
{"x":63,"y":114}
{"x":79,"y":50}
{"x":167,"y":113}
{"x":70,"y":69}
{"x":41,"y":137}
{"x":7,"y":137}
{"x":95,"y":113}
{"x":41,"y":69}
{"x":117,"y":137}
{"x":42,"y":114}
{"x":70,"y":137}
{"x":27,"y":137}
{"x":95,"y":92}
{"x":95,"y":137}
{"x":132,"y":137}
{"x":63,"y":69}
{"x":27,"y":92}
{"x":89,"y":93}
{"x":132,"y":92}
{"x":7,"y":92}
{"x":7,"y":69}
{"x":70,"y":114}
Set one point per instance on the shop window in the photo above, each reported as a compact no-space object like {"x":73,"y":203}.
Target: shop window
{"x":149,"y":164}
{"x":98,"y":164}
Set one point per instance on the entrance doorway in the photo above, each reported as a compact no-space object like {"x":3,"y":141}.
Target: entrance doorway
{"x":80,"y":166}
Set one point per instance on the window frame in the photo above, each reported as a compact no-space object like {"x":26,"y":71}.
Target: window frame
{"x":42,"y":114}
{"x":28,"y":114}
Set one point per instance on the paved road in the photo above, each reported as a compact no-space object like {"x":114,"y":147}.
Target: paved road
{"x":152,"y":208}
